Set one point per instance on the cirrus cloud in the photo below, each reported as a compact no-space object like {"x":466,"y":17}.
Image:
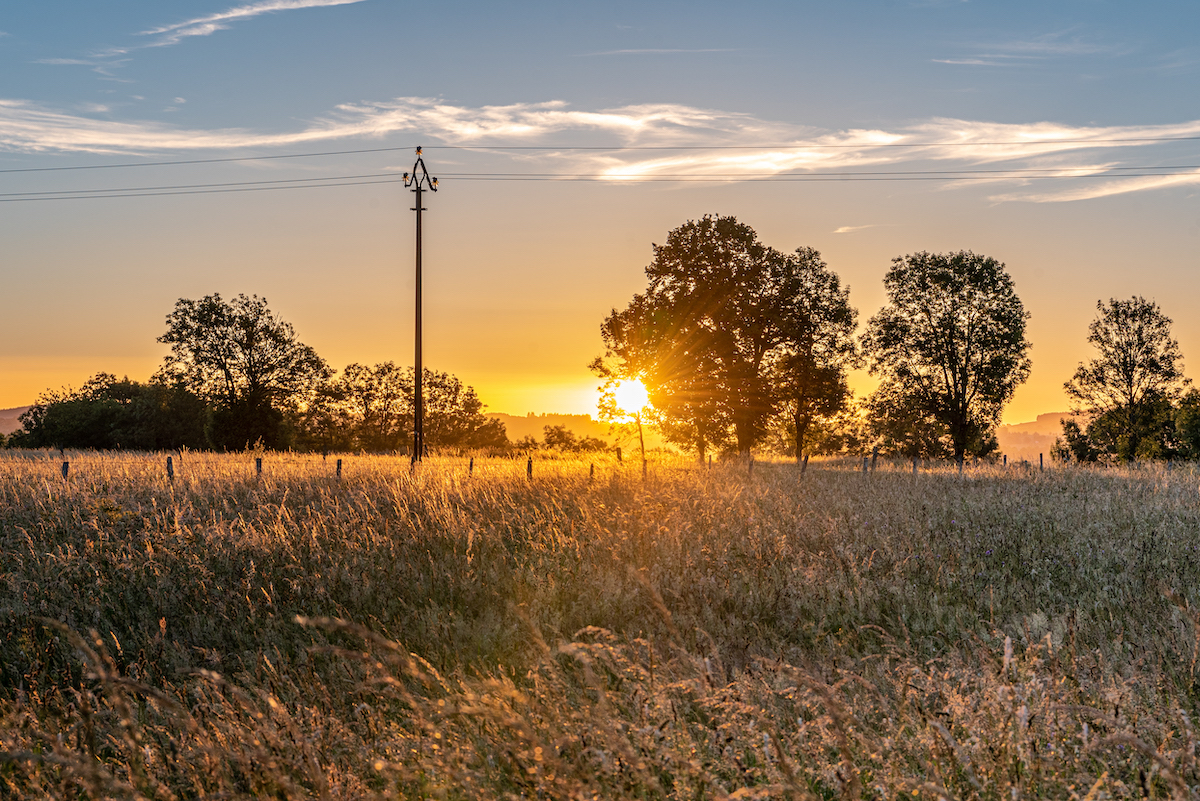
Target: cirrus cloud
{"x":670,"y":141}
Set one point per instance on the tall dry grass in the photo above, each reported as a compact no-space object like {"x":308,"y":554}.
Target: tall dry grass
{"x":731,"y":632}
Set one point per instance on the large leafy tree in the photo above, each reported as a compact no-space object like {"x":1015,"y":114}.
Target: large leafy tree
{"x":245,"y":361}
{"x":816,"y":346}
{"x":1128,"y":388}
{"x":950,"y":347}
{"x":723,"y":334}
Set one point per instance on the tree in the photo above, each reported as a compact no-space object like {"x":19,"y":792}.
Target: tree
{"x":950,"y":346}
{"x":454,"y":415}
{"x":1187,"y":425}
{"x":245,"y":361}
{"x":379,"y":404}
{"x":107,"y":413}
{"x":1128,"y":388}
{"x":371,"y":408}
{"x":817,"y":345}
{"x":723,"y":334}
{"x":564,"y":439}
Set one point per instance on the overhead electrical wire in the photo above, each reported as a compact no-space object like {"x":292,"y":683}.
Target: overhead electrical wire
{"x":387,"y":178}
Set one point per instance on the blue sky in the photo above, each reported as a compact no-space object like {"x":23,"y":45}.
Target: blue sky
{"x":522,"y":273}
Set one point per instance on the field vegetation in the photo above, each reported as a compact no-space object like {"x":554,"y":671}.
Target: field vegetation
{"x":743,"y":631}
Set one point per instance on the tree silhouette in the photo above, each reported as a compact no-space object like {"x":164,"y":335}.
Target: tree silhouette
{"x":726,"y":331}
{"x":817,"y":344}
{"x":1128,"y":388}
{"x":951,"y":348}
{"x":245,"y":361}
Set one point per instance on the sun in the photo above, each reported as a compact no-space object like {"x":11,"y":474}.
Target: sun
{"x":631,"y":396}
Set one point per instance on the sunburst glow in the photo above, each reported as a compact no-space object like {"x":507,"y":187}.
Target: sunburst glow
{"x":631,"y":396}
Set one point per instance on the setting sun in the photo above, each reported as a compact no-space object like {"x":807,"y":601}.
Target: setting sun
{"x":631,"y":396}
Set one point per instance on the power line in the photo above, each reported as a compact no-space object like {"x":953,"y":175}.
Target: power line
{"x":604,"y":149}
{"x":282,"y":182}
{"x":120,"y":194}
{"x":202,"y":161}
{"x":812,"y":146}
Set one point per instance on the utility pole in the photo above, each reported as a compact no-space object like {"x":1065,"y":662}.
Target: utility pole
{"x":418,"y":179}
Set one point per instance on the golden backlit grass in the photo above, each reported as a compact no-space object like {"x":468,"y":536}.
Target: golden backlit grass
{"x":734,"y":632}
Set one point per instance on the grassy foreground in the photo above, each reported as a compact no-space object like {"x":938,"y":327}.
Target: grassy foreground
{"x":723,"y":633}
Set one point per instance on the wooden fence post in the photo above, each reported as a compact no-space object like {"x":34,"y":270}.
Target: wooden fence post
{"x":339,"y":469}
{"x":866,"y":461}
{"x":874,"y":457}
{"x":804,"y":465}
{"x":66,"y":467}
{"x":471,"y":467}
{"x":170,"y":469}
{"x":529,"y":468}
{"x":592,"y":472}
{"x":1041,"y":464}
{"x":914,"y":467}
{"x":258,"y":467}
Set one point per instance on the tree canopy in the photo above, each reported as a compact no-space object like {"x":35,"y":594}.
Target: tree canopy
{"x":246,"y":361}
{"x":950,"y":346}
{"x":1128,"y":388}
{"x":727,"y":331}
{"x":110,"y":413}
{"x":371,"y":408}
{"x":237,"y":376}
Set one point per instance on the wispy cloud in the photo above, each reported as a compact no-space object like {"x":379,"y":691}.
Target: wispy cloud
{"x":1034,"y":51}
{"x":684,"y":141}
{"x":100,"y":66}
{"x":849,"y":229}
{"x":166,"y":35}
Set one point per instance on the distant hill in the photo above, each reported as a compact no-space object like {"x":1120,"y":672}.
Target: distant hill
{"x":1027,"y":440}
{"x":8,"y":419}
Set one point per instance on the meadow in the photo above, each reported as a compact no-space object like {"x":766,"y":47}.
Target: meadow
{"x":723,"y":632}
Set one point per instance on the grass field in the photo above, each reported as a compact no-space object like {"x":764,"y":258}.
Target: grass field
{"x":705,"y":633}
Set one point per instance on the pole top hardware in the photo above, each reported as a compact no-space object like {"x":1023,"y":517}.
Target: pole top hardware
{"x":420,"y":175}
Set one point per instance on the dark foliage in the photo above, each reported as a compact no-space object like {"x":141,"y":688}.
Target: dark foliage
{"x":108,"y":413}
{"x":951,"y":348}
{"x":728,"y":332}
{"x":246,"y":362}
{"x":1130,"y":387}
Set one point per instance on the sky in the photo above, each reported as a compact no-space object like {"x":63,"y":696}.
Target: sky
{"x":1062,"y":138}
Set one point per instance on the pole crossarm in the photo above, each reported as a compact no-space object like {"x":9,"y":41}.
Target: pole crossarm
{"x":419,"y":177}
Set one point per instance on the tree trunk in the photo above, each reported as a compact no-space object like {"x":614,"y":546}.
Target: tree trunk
{"x":801,"y":433}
